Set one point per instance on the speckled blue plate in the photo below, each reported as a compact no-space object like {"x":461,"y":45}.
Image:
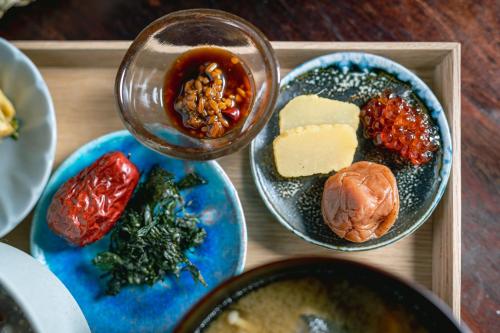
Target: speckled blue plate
{"x":353,"y":77}
{"x":156,"y":308}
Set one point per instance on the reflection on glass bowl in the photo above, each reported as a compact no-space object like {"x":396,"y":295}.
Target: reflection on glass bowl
{"x":140,"y":80}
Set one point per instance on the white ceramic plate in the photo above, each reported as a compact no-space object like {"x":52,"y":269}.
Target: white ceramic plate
{"x":25,"y":164}
{"x":45,"y":302}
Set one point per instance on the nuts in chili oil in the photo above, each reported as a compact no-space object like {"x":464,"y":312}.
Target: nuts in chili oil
{"x":207,"y":92}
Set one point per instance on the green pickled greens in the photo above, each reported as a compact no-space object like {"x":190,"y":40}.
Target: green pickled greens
{"x":152,"y":236}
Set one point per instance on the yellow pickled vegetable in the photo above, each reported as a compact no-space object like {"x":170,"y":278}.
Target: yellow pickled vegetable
{"x":8,"y":123}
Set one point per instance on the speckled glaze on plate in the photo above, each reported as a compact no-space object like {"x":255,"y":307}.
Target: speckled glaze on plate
{"x":353,"y":77}
{"x":25,"y":163}
{"x":156,"y":308}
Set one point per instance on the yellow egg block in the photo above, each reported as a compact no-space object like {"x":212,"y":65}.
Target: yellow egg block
{"x":307,"y":110}
{"x":313,"y":149}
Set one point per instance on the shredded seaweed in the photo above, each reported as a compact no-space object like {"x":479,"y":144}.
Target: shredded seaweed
{"x":153,"y":235}
{"x":190,"y":180}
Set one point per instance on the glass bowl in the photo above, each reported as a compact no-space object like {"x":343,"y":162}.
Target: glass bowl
{"x":140,"y":80}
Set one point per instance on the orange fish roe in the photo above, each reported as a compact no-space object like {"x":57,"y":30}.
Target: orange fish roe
{"x":391,"y":122}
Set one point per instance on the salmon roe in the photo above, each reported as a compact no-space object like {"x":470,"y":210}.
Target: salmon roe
{"x":394,"y":124}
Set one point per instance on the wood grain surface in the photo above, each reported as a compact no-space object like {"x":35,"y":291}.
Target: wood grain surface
{"x":475,"y":24}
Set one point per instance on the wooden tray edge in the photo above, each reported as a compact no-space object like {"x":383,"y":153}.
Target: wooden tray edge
{"x":446,"y":253}
{"x":446,"y":263}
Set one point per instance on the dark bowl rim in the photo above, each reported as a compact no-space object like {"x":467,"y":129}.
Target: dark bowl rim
{"x":305,"y":260}
{"x":269,"y":58}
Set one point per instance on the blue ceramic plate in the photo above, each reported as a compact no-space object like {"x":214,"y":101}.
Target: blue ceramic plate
{"x":353,"y":77}
{"x":156,"y":308}
{"x":25,"y":164}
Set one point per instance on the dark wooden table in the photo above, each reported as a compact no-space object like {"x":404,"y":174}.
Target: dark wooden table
{"x":476,"y":24}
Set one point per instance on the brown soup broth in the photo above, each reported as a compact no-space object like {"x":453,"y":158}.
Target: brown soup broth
{"x":187,"y":67}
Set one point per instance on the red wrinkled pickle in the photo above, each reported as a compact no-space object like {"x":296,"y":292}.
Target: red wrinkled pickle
{"x":391,"y":122}
{"x":88,"y":205}
{"x":232,"y":113}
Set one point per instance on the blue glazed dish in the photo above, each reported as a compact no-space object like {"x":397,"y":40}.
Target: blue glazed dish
{"x":25,"y":163}
{"x":159,"y":307}
{"x":354,"y":77}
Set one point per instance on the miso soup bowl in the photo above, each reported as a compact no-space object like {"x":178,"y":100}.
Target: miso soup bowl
{"x":140,"y":80}
{"x":426,"y":308}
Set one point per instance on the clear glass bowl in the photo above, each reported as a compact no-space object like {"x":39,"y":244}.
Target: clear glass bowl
{"x":140,"y":80}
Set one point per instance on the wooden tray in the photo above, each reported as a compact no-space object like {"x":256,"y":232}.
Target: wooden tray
{"x":80,"y":76}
